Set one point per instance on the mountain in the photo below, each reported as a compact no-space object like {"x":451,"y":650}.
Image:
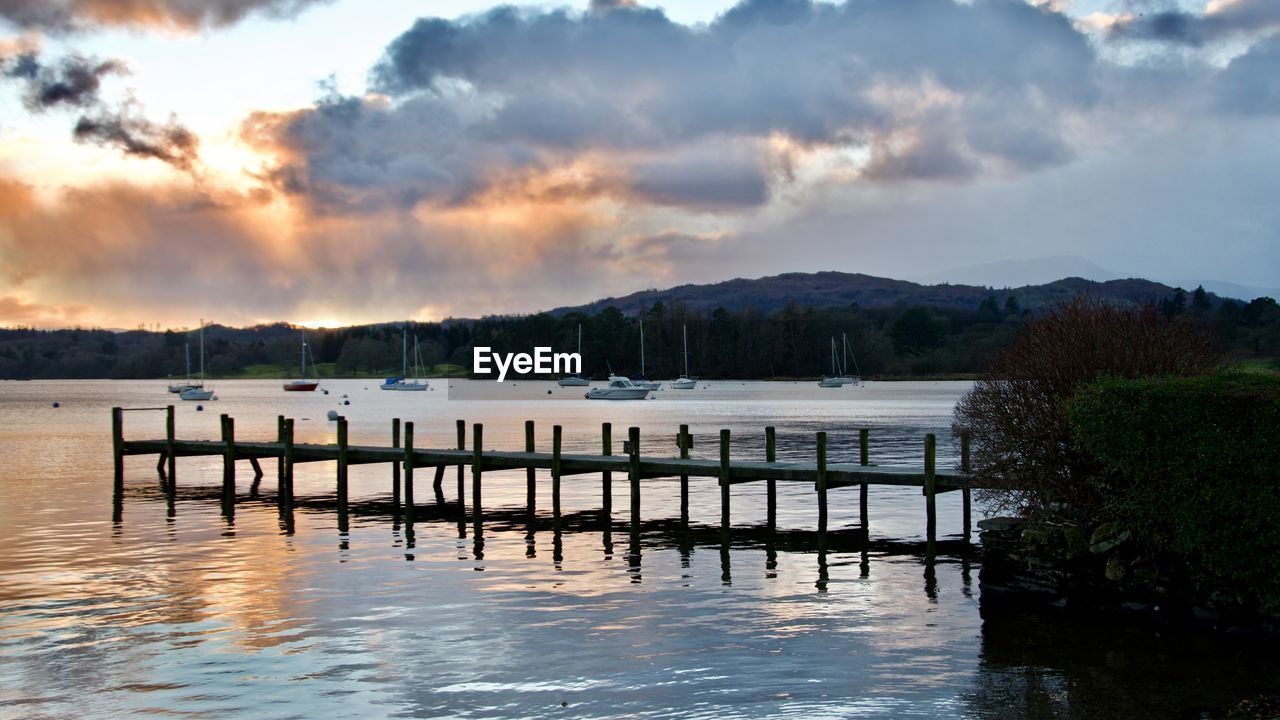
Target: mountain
{"x":1037,"y":271}
{"x":1233,"y":290}
{"x":837,"y":288}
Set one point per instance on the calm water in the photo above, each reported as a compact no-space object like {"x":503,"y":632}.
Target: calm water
{"x":184,"y":613}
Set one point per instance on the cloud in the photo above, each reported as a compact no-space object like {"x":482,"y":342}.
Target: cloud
{"x":75,"y":82}
{"x":1250,"y":84}
{"x":138,"y":137}
{"x":183,"y":15}
{"x":463,"y":106}
{"x":1221,"y":19}
{"x":71,"y":82}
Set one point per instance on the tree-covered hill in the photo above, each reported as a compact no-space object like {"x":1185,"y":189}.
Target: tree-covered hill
{"x":772,"y":327}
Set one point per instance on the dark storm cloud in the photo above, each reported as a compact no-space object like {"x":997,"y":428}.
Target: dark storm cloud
{"x":71,"y":82}
{"x":138,"y":137}
{"x":75,"y":83}
{"x":1174,"y":25}
{"x":932,"y":88}
{"x":74,"y":15}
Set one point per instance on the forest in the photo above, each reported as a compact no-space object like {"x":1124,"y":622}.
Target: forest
{"x":902,"y":340}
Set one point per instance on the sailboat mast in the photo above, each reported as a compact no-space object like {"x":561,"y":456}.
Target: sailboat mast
{"x":684,"y":330}
{"x":188,"y":352}
{"x":304,"y":356}
{"x":642,"y":344}
{"x":201,"y":350}
{"x":844,"y":344}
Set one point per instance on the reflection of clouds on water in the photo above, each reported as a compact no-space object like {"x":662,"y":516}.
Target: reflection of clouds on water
{"x":195,"y":617}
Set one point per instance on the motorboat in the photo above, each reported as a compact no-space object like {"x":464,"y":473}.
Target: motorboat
{"x":684,"y":382}
{"x":576,"y":380}
{"x":303,"y":385}
{"x":619,"y":388}
{"x":401,"y":382}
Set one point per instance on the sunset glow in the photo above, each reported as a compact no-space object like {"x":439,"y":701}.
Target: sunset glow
{"x":375,"y":181}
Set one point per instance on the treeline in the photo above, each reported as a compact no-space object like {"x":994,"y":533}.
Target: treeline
{"x":795,"y":341}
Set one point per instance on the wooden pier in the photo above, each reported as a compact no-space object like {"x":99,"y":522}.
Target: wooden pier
{"x":404,"y":458}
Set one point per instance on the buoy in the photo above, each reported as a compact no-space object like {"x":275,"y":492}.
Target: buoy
{"x":199,"y":408}
{"x":346,"y":402}
{"x":57,"y":404}
{"x":548,"y":392}
{"x":332,"y":414}
{"x":326,"y":392}
{"x":344,"y":394}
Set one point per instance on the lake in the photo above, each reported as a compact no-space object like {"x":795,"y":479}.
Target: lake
{"x":182,"y":612}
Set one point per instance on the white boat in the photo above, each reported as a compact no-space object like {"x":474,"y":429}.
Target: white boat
{"x":834,"y":380}
{"x":401,"y":383}
{"x":619,"y":388}
{"x":642,"y":383}
{"x":684,"y":382}
{"x":576,"y":380}
{"x":197,"y":391}
{"x":844,"y":377}
{"x":179,"y":387}
{"x":303,"y":385}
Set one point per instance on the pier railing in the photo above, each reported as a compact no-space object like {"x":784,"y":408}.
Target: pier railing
{"x":405,"y":458}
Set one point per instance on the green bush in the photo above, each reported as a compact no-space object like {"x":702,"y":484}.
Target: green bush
{"x":1192,"y":466}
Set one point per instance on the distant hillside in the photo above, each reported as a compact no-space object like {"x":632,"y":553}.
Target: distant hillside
{"x":828,"y":289}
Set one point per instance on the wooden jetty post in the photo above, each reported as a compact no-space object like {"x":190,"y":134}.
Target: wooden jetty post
{"x":864,"y":459}
{"x":170,"y":443}
{"x":395,"y":467}
{"x":606,"y":477}
{"x":685,"y":441}
{"x":117,"y":449}
{"x":477,"y":470}
{"x":555,"y":474}
{"x":930,"y":488}
{"x":462,"y":445}
{"x":228,"y":457}
{"x":408,"y":471}
{"x":531,"y":475}
{"x":287,"y":458}
{"x":725,"y":480}
{"x":343,"y":463}
{"x":633,"y":475}
{"x":821,"y":487}
{"x":280,"y":457}
{"x":964,"y":484}
{"x":771,"y":485}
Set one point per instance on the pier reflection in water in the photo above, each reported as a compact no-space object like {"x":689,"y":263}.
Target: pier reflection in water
{"x":180,"y":609}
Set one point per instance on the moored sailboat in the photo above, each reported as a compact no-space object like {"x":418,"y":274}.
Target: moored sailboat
{"x":198,"y":391}
{"x":576,"y":380}
{"x":641,"y":382}
{"x":401,"y":383}
{"x":179,"y":387}
{"x":684,"y":382}
{"x":303,"y":384}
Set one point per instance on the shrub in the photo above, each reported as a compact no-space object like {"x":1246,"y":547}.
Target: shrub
{"x":1192,"y":467}
{"x":1022,"y":445}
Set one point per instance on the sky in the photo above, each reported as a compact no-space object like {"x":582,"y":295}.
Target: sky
{"x":351,"y":161}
